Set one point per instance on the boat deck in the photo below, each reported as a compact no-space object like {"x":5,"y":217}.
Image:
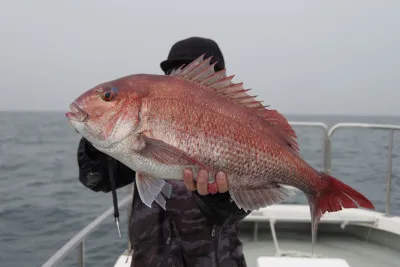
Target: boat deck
{"x":358,"y":245}
{"x":357,"y":252}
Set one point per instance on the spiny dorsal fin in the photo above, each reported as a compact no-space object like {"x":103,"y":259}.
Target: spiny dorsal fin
{"x":202,"y":71}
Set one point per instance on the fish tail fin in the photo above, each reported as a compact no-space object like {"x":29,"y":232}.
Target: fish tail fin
{"x":335,"y":196}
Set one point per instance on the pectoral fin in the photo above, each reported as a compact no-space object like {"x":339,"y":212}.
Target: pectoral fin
{"x":167,"y":154}
{"x":152,"y":189}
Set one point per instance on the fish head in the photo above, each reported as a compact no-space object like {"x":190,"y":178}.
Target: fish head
{"x":109,"y":112}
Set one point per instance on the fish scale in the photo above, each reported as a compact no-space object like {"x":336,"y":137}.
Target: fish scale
{"x":197,"y":118}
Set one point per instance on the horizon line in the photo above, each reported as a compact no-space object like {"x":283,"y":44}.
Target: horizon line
{"x":285,"y":114}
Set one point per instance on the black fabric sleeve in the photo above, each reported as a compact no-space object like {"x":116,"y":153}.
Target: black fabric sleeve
{"x":93,"y":169}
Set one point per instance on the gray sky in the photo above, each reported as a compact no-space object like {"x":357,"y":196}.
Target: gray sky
{"x":298,"y":56}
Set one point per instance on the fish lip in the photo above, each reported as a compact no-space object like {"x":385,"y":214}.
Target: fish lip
{"x":76,"y":113}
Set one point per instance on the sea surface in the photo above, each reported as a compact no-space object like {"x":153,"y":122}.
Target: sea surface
{"x":43,"y":204}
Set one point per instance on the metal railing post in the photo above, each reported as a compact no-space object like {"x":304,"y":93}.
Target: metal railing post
{"x":327,"y":154}
{"x":81,"y":254}
{"x":131,"y":189}
{"x":389,"y":178}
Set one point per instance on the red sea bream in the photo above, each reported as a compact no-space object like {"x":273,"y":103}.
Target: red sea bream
{"x":197,"y":118}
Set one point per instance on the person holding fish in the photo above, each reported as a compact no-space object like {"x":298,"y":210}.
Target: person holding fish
{"x":198,"y":226}
{"x":166,"y":127}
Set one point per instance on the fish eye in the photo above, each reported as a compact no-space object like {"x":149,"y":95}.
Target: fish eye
{"x":108,"y":95}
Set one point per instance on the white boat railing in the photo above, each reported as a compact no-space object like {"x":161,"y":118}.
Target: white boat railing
{"x":79,"y":239}
{"x":327,"y":146}
{"x":391,"y":128}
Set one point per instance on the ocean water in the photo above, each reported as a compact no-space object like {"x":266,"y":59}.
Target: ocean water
{"x":43,"y":204}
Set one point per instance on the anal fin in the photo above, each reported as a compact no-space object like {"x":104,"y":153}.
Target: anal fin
{"x":152,"y":189}
{"x":255,"y":199}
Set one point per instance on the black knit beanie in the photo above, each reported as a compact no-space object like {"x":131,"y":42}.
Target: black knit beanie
{"x":187,"y":50}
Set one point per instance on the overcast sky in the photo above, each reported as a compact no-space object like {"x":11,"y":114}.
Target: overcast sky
{"x":298,"y":56}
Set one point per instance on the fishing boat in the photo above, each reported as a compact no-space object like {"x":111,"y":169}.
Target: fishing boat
{"x":280,"y":235}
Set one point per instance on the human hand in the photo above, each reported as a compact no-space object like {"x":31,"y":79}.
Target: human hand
{"x":202,"y":186}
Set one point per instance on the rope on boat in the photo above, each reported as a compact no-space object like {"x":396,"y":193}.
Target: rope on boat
{"x":289,"y":253}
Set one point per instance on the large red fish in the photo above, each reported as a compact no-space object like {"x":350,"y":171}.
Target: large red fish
{"x":196,"y":118}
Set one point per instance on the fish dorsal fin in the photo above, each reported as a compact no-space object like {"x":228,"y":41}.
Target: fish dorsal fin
{"x":202,"y":71}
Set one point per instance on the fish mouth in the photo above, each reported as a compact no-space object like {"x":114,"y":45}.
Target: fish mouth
{"x":76,"y":113}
